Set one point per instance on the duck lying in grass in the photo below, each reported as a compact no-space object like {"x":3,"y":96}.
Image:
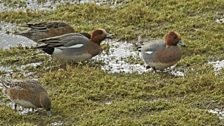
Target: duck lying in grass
{"x":41,"y":30}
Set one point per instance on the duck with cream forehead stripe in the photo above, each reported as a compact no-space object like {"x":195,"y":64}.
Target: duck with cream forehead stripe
{"x":74,"y":46}
{"x":162,"y":54}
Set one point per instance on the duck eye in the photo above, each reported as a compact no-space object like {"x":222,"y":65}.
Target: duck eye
{"x":99,"y":32}
{"x":175,"y":36}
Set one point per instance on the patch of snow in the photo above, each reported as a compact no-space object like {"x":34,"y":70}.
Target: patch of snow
{"x":108,"y":102}
{"x":220,"y":21}
{"x":50,"y":4}
{"x":7,"y":27}
{"x":115,"y":60}
{"x":217,"y":65}
{"x":8,"y":41}
{"x":58,"y":123}
{"x":31,"y":65}
{"x":5,"y":69}
{"x":218,"y":112}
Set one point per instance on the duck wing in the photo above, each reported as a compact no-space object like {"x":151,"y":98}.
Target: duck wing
{"x":71,"y":40}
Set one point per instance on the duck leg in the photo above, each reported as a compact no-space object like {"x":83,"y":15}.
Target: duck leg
{"x":154,"y":69}
{"x":15,"y":106}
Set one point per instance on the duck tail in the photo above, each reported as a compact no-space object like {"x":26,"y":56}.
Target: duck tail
{"x":139,"y":43}
{"x":25,"y":34}
{"x":43,"y":46}
{"x":49,"y":50}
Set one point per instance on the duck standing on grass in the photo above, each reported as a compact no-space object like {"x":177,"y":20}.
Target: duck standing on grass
{"x":27,"y":93}
{"x":159,"y":55}
{"x":74,"y":46}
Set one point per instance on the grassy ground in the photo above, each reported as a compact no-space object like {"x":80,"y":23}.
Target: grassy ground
{"x":81,"y":93}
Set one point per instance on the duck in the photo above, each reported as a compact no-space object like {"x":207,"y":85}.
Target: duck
{"x":161,"y":54}
{"x":74,"y":47}
{"x":42,"y":30}
{"x":27,"y":93}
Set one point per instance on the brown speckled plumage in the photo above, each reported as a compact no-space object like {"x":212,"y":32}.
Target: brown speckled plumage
{"x":27,"y":93}
{"x":43,"y":30}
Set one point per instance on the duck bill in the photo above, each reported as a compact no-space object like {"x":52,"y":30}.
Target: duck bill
{"x":109,"y":36}
{"x":181,"y":43}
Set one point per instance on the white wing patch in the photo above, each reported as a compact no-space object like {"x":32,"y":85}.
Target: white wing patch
{"x":73,"y":46}
{"x":76,"y":46}
{"x":57,"y":51}
{"x":149,"y":52}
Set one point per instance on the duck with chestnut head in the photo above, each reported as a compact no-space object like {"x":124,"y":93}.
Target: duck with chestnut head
{"x":74,"y":46}
{"x":163,"y":53}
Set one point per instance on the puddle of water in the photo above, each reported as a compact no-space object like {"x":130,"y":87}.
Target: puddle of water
{"x":115,"y":60}
{"x":217,"y":65}
{"x":218,"y":112}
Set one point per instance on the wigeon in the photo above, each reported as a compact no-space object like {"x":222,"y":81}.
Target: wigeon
{"x":43,"y":30}
{"x":162,"y":54}
{"x":27,"y":93}
{"x":74,"y":46}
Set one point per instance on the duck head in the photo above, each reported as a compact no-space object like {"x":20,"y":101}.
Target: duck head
{"x":99,"y":35}
{"x":173,"y":38}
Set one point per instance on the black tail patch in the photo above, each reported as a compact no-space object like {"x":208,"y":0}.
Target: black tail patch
{"x":46,"y":48}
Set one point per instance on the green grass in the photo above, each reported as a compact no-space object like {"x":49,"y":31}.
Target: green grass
{"x":79,"y":92}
